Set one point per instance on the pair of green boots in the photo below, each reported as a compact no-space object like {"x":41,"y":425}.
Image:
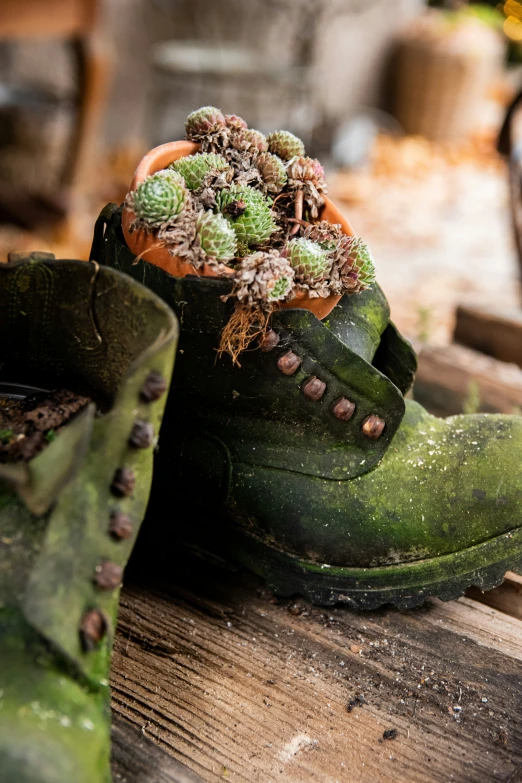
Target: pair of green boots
{"x":305,"y":463}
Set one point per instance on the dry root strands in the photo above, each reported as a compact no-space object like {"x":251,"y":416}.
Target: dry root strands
{"x":245,"y":324}
{"x":262,"y":280}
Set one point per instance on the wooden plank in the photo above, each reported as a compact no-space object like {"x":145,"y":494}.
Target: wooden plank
{"x":475,"y":620}
{"x":506,"y":598}
{"x":449,"y":376}
{"x":491,"y":330}
{"x":241,"y":687}
{"x":136,"y":759}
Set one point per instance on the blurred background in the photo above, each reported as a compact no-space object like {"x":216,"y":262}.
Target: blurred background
{"x":402,"y":100}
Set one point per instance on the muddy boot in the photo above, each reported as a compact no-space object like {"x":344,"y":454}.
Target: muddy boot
{"x":326,"y":480}
{"x":85,"y":361}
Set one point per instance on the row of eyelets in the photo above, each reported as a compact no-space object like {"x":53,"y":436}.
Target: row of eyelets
{"x":343,"y":409}
{"x":373,"y":427}
{"x":92,"y":629}
{"x":314,"y":388}
{"x":154,"y":387}
{"x":289,"y":363}
{"x":142,"y":435}
{"x":269,"y":340}
{"x":123,"y":482}
{"x":120,"y":526}
{"x":108,"y":575}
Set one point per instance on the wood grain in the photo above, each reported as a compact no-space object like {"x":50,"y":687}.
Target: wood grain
{"x":446,"y":377}
{"x":136,"y":759}
{"x":506,"y":598}
{"x":491,"y":330}
{"x":241,"y":687}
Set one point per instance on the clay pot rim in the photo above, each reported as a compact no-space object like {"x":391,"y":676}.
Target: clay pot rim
{"x":159,"y":158}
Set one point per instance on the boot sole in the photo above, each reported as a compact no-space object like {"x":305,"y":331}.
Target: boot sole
{"x":408,"y":585}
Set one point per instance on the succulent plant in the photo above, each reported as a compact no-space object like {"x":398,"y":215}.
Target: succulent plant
{"x":285,"y":144}
{"x":194,"y":168}
{"x":159,"y":199}
{"x":310,"y":262}
{"x":208,"y":126}
{"x":326,"y":234}
{"x":272,"y":172}
{"x":302,"y":169}
{"x":263,"y":278}
{"x":363,"y":266}
{"x":353,"y":269}
{"x":216,"y":236}
{"x":205,"y":120}
{"x":253,"y":222}
{"x":249,"y":140}
{"x":306,"y":179}
{"x":280,"y":289}
{"x":234,"y":122}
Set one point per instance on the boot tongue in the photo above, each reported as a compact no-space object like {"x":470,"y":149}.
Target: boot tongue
{"x":359,"y":321}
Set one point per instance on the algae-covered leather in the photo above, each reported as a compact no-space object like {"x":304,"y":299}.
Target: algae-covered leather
{"x":73,"y":324}
{"x":306,"y":499}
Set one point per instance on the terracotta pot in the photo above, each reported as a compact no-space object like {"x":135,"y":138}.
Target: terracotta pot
{"x":144,"y":245}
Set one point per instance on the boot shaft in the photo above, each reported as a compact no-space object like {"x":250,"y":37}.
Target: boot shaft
{"x":265,"y":405}
{"x":69,"y":324}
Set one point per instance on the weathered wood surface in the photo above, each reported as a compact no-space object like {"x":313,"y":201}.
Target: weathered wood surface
{"x":450,"y":375}
{"x":136,"y":759}
{"x":491,"y":330}
{"x":507,"y":597}
{"x":240,"y":687}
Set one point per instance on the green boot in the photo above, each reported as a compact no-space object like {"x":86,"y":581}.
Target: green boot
{"x":70,"y":511}
{"x":326,"y":480}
